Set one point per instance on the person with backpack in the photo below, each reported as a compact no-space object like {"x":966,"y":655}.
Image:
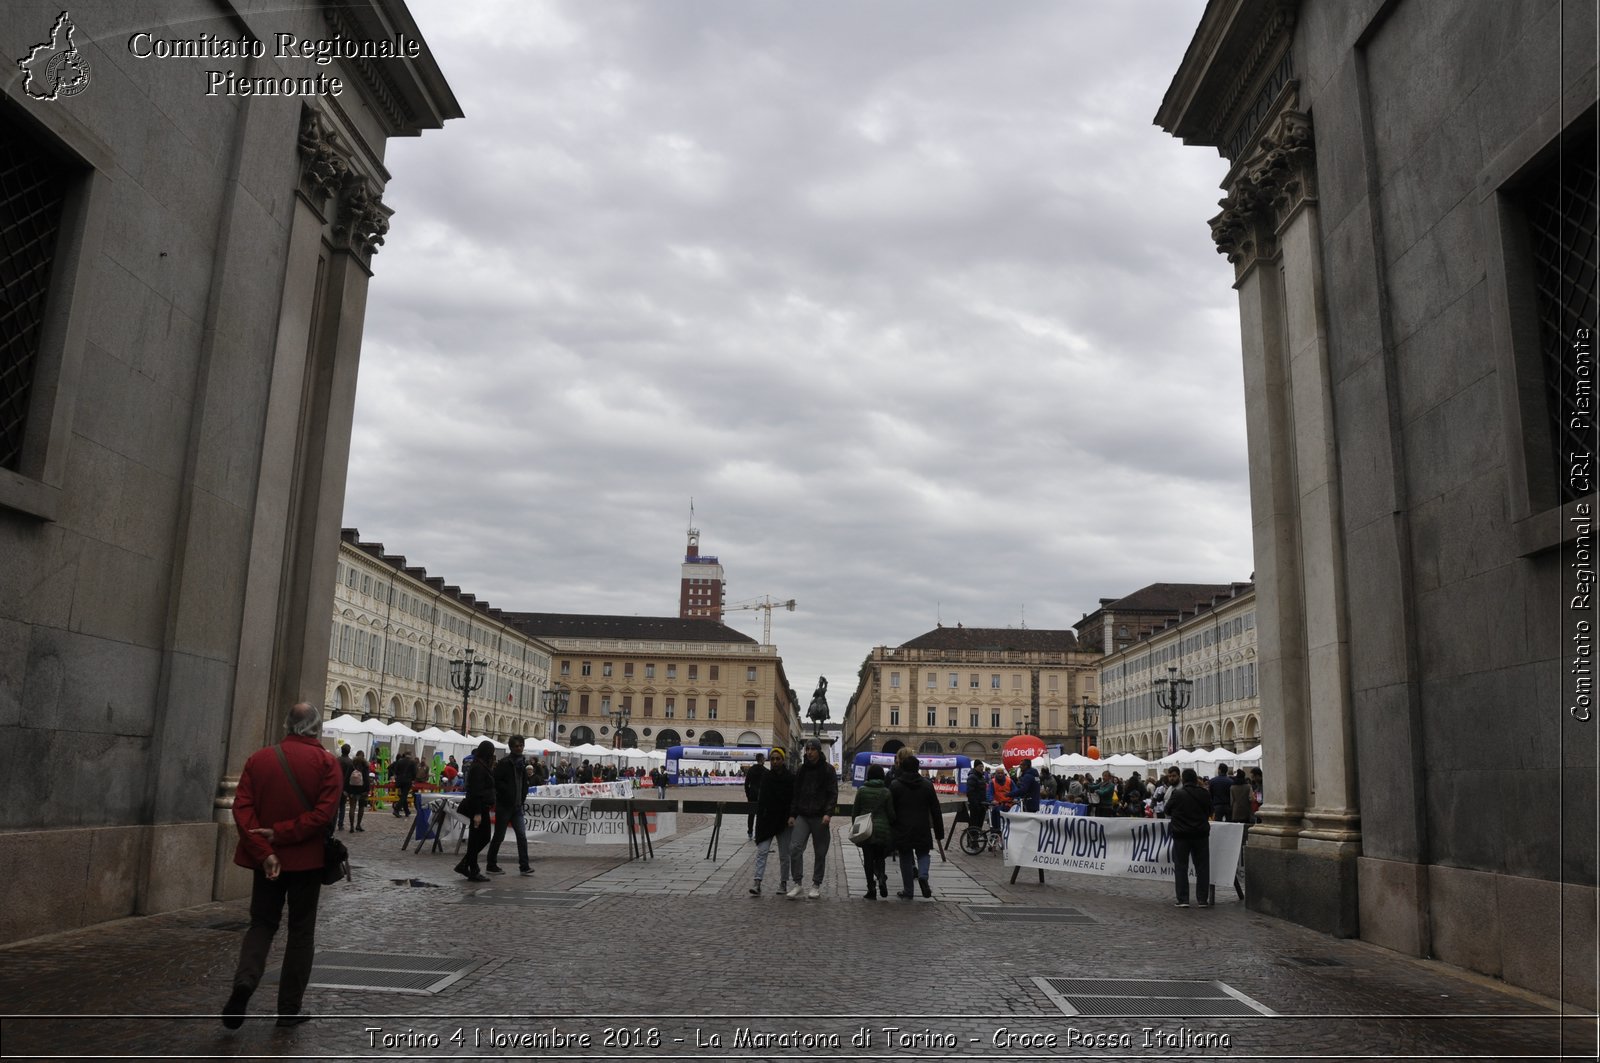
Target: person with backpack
{"x":357,"y":781}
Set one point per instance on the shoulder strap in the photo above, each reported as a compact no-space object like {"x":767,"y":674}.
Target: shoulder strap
{"x":301,"y":794}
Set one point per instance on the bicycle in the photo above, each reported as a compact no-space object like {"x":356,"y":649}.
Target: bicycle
{"x":980,"y":836}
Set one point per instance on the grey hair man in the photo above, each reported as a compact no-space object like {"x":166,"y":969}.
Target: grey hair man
{"x":283,"y":809}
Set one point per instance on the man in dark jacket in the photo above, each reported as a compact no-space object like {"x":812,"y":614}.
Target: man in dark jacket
{"x":772,"y":820}
{"x":1187,"y":810}
{"x":752,"y":788}
{"x":1220,"y":785}
{"x":510,"y":791}
{"x":917,"y":822}
{"x":816,"y":792}
{"x":403,"y":772}
{"x":977,"y":793}
{"x":283,"y":808}
{"x":1025,"y":791}
{"x":346,"y":764}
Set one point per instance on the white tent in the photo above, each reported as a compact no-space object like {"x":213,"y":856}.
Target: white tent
{"x":591,"y":749}
{"x":1123,"y":762}
{"x":351,"y":725}
{"x":1073,"y":763}
{"x":432,"y":733}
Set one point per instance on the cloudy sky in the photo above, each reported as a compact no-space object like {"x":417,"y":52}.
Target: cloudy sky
{"x":909,"y":296}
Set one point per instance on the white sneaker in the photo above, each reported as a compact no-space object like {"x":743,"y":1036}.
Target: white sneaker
{"x":813,"y":893}
{"x":795,"y":891}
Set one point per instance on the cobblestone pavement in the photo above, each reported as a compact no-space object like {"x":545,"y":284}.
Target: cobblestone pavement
{"x":598,"y":957}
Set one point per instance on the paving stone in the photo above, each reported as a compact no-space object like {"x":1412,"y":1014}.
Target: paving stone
{"x":673,"y":948}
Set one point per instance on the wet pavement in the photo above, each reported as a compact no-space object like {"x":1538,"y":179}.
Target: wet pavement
{"x":598,"y":957}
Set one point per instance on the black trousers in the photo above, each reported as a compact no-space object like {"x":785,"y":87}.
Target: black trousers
{"x":874,"y":860}
{"x":300,"y":890}
{"x":1198,"y":851}
{"x":477,"y":838}
{"x":402,"y":799}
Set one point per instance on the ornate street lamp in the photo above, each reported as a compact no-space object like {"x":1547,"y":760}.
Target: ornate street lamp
{"x":1088,"y":723}
{"x":1174,"y":699}
{"x":555,"y":706}
{"x":619,"y":720}
{"x":466,"y":675}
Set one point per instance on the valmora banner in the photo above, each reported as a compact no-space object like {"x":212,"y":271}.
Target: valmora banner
{"x":1107,"y":845}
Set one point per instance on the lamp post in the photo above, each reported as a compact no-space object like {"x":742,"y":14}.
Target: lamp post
{"x":555,"y":706}
{"x":1088,"y":721}
{"x":466,"y":675}
{"x":1174,"y":699}
{"x":619,"y":719}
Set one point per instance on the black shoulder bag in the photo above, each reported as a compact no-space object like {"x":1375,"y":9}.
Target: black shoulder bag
{"x":335,"y":857}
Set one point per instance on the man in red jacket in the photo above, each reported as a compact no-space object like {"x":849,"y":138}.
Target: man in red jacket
{"x":286,"y":801}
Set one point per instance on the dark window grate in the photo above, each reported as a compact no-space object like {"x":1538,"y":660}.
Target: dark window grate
{"x":1561,"y":208}
{"x":1012,"y":913}
{"x":387,"y":973}
{"x":32,"y":189}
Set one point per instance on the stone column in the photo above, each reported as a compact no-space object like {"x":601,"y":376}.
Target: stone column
{"x":1269,"y":229}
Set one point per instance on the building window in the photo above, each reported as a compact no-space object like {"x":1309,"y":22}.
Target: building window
{"x":649,"y":706}
{"x":973,"y":681}
{"x":605,"y":704}
{"x":711,"y":708}
{"x":670,"y":709}
{"x":933,"y":717}
{"x":650,"y":671}
{"x":688,"y":708}
{"x":933,"y":680}
{"x":672,"y":671}
{"x":350,"y":578}
{"x":1016,"y":682}
{"x":955,"y":680}
{"x":366,"y":584}
{"x":994,"y":719}
{"x":605,"y":669}
{"x":583,"y":704}
{"x":894,"y":680}
{"x":994,"y":681}
{"x":894,"y":716}
{"x":750,"y":709}
{"x":694,"y":672}
{"x":1088,"y":684}
{"x":1052,"y":683}
{"x":750,"y":674}
{"x":974,"y":717}
{"x":716,"y":672}
{"x":955,"y":720}
{"x":588,"y":669}
{"x":627,"y":669}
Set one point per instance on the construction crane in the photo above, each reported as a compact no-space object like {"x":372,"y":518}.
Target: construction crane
{"x":767,"y":603}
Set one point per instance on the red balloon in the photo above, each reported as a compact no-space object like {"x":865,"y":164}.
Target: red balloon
{"x":1021,"y":749}
{"x":1094,"y":753}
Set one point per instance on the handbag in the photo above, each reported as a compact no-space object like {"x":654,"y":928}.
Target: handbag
{"x":335,"y":857}
{"x":861,"y":829}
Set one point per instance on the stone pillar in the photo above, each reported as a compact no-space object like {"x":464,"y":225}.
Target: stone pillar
{"x":1268,"y":228}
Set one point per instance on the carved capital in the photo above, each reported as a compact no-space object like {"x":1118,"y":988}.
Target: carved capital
{"x":324,"y":161}
{"x":362,"y":220}
{"x":1267,"y":186}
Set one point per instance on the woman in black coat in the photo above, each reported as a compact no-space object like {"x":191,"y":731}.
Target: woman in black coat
{"x":917,"y":822}
{"x":477,"y":805}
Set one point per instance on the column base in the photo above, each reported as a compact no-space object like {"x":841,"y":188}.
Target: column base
{"x":1314,"y":888}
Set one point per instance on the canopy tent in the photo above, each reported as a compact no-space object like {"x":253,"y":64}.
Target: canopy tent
{"x":1073,"y":763}
{"x":351,"y":725}
{"x":591,"y":749}
{"x":1122,"y":763}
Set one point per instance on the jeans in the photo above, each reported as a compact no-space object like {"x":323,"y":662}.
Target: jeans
{"x":356,"y":801}
{"x":913,"y":866}
{"x":808,"y":827}
{"x":300,"y":889}
{"x":765,"y":846}
{"x":1197,"y":850}
{"x":514,"y":822}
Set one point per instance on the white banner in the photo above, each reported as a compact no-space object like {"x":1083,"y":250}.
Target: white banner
{"x":1108,"y":845}
{"x":581,"y":789}
{"x":573,"y":820}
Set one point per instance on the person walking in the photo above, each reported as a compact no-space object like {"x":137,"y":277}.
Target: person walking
{"x":403,"y":772}
{"x":478,"y":806}
{"x":874,"y":799}
{"x":346,"y":764}
{"x":1239,"y":798}
{"x":357,"y":781}
{"x":1221,"y":787}
{"x":752,"y":787}
{"x":917,"y":822}
{"x":510,"y":792}
{"x":1187,"y":810}
{"x":283,"y":810}
{"x":816,"y":792}
{"x":772,"y":820}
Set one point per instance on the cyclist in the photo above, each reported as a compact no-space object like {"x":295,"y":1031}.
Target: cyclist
{"x":999,"y":794}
